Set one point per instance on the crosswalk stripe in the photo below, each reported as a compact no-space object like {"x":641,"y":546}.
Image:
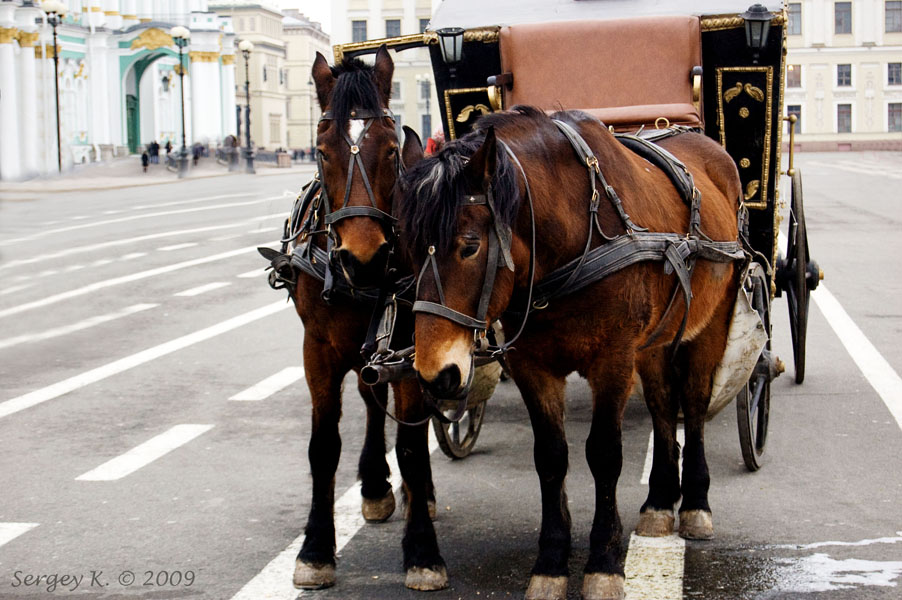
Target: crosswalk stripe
{"x":271,"y":385}
{"x":10,"y":531}
{"x":649,"y":455}
{"x":144,"y":454}
{"x":76,"y":382}
{"x":73,"y":327}
{"x":275,"y":580}
{"x":654,"y":567}
{"x":202,"y":289}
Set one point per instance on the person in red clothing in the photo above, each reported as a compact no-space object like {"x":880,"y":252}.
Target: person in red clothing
{"x":435,"y":143}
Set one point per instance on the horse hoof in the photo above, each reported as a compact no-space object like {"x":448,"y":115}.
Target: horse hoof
{"x":430,"y":504}
{"x":655,"y":523}
{"x":603,"y":586}
{"x":543,"y":587}
{"x":696,"y":525}
{"x":378,"y":511}
{"x":313,"y":577}
{"x":426,"y":580}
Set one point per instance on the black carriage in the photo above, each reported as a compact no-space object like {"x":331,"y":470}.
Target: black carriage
{"x":716,"y":66}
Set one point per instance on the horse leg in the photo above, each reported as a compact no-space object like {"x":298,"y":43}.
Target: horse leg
{"x":611,"y":381}
{"x":315,"y":564}
{"x":378,"y":502}
{"x":543,"y":394}
{"x":656,"y":516}
{"x":698,"y":360}
{"x":424,"y":564}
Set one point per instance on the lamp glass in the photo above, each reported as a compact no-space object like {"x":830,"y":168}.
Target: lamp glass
{"x":180,"y":32}
{"x":757,"y":26}
{"x":451,"y":40}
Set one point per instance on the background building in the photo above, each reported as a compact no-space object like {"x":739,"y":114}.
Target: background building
{"x":279,"y":66}
{"x":414,"y":100}
{"x":118,"y":85}
{"x":844,"y":73}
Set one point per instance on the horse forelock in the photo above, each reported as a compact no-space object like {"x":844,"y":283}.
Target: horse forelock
{"x":435,"y":190}
{"x":355,"y":89}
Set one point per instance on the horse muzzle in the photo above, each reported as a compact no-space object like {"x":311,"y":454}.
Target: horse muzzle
{"x":360,"y":274}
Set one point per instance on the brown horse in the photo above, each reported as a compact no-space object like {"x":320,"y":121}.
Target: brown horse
{"x":350,"y":222}
{"x":459,"y":205}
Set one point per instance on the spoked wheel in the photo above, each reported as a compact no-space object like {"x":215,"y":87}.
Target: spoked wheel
{"x":458,"y":439}
{"x":797,"y":276}
{"x":753,"y":401}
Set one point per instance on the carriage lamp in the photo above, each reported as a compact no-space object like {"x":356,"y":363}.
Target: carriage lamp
{"x":451,"y":40}
{"x":181,"y":35}
{"x":757,"y":26}
{"x":56,"y":12}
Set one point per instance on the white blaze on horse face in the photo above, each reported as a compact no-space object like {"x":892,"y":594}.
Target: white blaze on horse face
{"x":355,"y":129}
{"x":442,"y":355}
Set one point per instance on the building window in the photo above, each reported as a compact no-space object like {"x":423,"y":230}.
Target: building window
{"x":894,"y":74}
{"x":795,"y":19}
{"x":893,"y":17}
{"x":894,"y":116}
{"x":426,"y":131}
{"x":396,"y":90}
{"x":794,"y":76}
{"x":392,"y":28}
{"x":794,"y":109}
{"x":424,"y":23}
{"x":842,"y":17}
{"x":425,"y":90}
{"x":843,"y":75}
{"x":275,"y":129}
{"x":358,"y":31}
{"x":843,"y":118}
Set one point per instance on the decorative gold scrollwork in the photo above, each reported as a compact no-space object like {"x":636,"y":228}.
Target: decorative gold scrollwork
{"x":751,"y":189}
{"x":464,"y":115}
{"x":754,"y":92}
{"x":744,"y":112}
{"x":733,"y":91}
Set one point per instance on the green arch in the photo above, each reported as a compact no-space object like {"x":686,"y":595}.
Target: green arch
{"x":140,"y":61}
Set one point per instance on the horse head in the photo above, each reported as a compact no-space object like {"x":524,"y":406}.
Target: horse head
{"x":456,"y":216}
{"x":360,"y":161}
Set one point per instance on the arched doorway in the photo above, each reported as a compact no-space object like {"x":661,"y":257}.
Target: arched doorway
{"x":152,"y":95}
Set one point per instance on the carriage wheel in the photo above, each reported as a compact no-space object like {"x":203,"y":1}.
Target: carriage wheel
{"x":753,"y":401}
{"x":457,"y":439}
{"x":798,"y":289}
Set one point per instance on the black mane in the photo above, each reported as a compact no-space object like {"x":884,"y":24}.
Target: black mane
{"x":434,"y":188}
{"x":355,"y":89}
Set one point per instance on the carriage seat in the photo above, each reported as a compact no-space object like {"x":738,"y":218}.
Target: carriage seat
{"x":626,"y":72}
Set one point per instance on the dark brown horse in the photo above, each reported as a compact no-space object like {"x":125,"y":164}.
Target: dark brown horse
{"x":350,"y":225}
{"x":461,"y":202}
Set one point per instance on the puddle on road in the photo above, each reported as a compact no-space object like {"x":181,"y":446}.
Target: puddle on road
{"x":756,"y":573}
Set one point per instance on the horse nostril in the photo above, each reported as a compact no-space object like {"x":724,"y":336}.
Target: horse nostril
{"x":446,"y":384}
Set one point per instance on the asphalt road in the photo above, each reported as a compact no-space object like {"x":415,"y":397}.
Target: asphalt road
{"x":130,"y":319}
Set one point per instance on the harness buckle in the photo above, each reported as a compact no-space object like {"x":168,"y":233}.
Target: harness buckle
{"x":355,"y":149}
{"x":540,"y":305}
{"x":592,"y":163}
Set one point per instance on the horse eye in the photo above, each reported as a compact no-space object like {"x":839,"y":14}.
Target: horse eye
{"x":323,"y":155}
{"x":469,"y":250}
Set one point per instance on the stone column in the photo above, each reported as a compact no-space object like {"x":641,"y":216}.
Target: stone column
{"x":28,"y":96}
{"x":112,"y":14}
{"x":129,"y":13}
{"x":206,"y":105}
{"x":100,"y":89}
{"x":10,"y":154}
{"x":228,"y":95}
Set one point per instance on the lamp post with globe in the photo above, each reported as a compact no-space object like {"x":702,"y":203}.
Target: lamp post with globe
{"x":246,"y":47}
{"x":56,"y":12}
{"x":181,"y":35}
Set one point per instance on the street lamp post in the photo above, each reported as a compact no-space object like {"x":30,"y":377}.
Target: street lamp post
{"x":56,"y":11}
{"x":312,"y":126}
{"x":246,"y":47}
{"x":181,"y":35}
{"x":425,"y":84}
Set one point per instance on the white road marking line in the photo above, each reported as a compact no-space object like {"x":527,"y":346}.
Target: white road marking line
{"x":144,"y":454}
{"x":71,"y":268}
{"x":189,"y":201}
{"x":649,"y":455}
{"x":165,"y":213}
{"x":73,"y":327}
{"x":101,"y":262}
{"x":43,"y":257}
{"x":264,"y":230}
{"x":654,"y":568}
{"x":107,"y":283}
{"x":274,"y":581}
{"x":882,"y":377}
{"x":133,"y":255}
{"x":197,"y":291}
{"x":10,"y":531}
{"x":176,"y":247}
{"x":14,"y":288}
{"x":76,"y":382}
{"x":271,"y":385}
{"x":251,"y":274}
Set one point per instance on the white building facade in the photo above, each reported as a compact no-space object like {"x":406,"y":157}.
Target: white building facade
{"x":119,"y":84}
{"x":844,"y":73}
{"x":414,"y":100}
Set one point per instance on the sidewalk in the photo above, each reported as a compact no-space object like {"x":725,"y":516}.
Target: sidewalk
{"x":126,"y":173}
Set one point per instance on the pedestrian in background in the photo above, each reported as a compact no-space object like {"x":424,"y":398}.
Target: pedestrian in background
{"x":168,"y":147}
{"x":144,"y":160}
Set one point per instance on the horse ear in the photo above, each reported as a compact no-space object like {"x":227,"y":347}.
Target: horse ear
{"x":384,"y":69}
{"x":324,"y":79}
{"x":483,"y":163}
{"x":412,"y":151}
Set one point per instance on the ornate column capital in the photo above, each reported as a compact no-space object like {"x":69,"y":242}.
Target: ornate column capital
{"x":8,"y":34}
{"x":198,"y":56}
{"x":26,"y":39}
{"x":228,"y":59}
